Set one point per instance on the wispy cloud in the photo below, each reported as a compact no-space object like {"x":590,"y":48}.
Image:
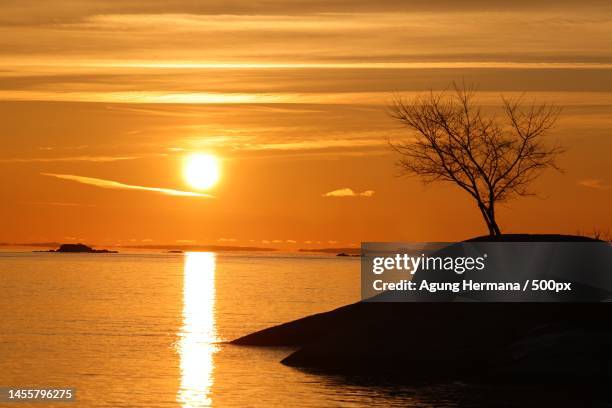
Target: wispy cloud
{"x":97,"y":159}
{"x":121,"y":186}
{"x":317,"y":144}
{"x":58,"y":204}
{"x":347,"y":192}
{"x":595,"y":183}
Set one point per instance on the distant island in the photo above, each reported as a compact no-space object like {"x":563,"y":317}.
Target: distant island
{"x":345,"y":254}
{"x":79,"y":248}
{"x":339,"y":251}
{"x":172,"y":248}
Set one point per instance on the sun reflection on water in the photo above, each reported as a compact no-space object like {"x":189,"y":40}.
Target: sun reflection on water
{"x":198,"y":335}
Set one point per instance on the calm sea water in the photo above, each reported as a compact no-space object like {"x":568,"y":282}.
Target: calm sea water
{"x":147,"y":330}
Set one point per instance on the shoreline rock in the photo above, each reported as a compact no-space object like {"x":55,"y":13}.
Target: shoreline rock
{"x":506,"y":343}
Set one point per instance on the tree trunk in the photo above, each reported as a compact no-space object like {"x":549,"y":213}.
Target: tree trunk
{"x":496,"y":230}
{"x":488,"y":214}
{"x":485,"y":216}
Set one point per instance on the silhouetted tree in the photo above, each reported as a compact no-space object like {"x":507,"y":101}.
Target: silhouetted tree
{"x":491,"y":158}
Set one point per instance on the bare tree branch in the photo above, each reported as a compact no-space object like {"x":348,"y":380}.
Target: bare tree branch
{"x":493,"y":160}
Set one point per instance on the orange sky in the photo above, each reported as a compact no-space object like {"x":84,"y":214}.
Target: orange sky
{"x":291,"y":96}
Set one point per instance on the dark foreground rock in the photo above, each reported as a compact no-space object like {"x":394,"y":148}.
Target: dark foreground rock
{"x":496,"y":342}
{"x":442,"y":341}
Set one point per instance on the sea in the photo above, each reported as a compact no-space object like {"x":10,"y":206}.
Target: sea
{"x":152,"y":330}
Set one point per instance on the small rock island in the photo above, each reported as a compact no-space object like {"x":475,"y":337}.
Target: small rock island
{"x":81,"y":248}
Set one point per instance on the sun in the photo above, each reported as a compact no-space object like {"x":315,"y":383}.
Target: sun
{"x":201,"y":170}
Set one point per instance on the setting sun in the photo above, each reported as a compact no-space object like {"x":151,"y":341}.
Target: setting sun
{"x":201,"y":171}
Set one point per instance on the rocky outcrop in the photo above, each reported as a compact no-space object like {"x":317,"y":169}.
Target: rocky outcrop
{"x":441,"y":341}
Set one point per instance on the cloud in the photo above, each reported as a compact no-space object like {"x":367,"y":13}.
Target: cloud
{"x":227,"y":240}
{"x":594,"y":183}
{"x":120,"y":186}
{"x":58,"y":204}
{"x":318,"y":144}
{"x":347,"y":192}
{"x":114,"y":48}
{"x":95,"y":159}
{"x":28,"y":12}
